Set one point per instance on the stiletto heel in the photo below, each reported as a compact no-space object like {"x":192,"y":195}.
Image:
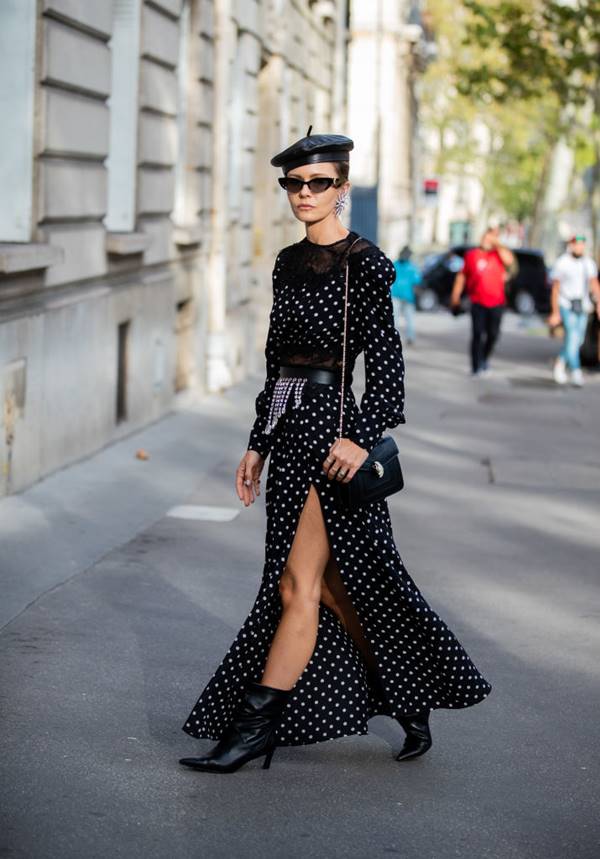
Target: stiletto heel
{"x":250,"y":735}
{"x":268,"y":757}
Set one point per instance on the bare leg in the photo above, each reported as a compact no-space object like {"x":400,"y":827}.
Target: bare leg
{"x":300,"y":588}
{"x":335,"y":596}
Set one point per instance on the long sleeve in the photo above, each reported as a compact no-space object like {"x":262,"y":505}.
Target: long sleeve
{"x":259,"y":440}
{"x":382,"y":404}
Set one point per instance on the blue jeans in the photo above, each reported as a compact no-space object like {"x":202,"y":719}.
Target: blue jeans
{"x":575,"y":325}
{"x":407,"y":310}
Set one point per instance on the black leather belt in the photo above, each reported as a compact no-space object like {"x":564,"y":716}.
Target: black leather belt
{"x":315,"y":374}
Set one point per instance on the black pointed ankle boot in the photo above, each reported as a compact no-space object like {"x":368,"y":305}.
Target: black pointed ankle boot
{"x":418,"y":736}
{"x":250,"y":735}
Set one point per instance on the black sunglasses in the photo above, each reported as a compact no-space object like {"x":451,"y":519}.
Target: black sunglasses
{"x":316,"y":186}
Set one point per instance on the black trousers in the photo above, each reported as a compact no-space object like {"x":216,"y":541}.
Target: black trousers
{"x":485,"y":332}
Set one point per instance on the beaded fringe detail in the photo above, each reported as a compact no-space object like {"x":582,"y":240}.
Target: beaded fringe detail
{"x":280,"y":396}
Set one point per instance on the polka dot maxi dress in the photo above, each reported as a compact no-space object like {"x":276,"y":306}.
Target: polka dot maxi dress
{"x":421,"y":663}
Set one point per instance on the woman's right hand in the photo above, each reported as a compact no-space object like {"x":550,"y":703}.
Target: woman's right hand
{"x":247,"y":476}
{"x":554,"y":319}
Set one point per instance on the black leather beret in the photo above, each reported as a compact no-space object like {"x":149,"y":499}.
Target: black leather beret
{"x":314,"y":148}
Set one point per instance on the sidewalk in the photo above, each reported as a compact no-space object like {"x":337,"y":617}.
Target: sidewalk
{"x":115,"y":613}
{"x":68,"y":521}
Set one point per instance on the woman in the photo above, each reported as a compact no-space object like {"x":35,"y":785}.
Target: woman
{"x":403,"y":292}
{"x":339,"y":632}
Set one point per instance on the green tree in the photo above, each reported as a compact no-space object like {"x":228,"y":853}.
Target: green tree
{"x":531,"y":47}
{"x":521,"y":133}
{"x":535,"y":50}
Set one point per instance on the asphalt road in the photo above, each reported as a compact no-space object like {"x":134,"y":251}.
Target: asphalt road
{"x":115,"y":613}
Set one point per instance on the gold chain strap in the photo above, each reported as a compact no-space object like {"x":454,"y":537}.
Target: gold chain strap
{"x":344,"y":340}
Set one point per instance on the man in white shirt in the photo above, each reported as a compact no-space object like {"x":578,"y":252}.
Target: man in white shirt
{"x":574,"y":277}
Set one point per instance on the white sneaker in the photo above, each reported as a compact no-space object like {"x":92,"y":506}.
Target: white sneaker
{"x":577,"y":378}
{"x":560,"y":372}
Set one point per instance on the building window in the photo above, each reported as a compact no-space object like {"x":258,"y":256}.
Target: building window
{"x":17,"y":90}
{"x":184,"y":343}
{"x":122,"y":369}
{"x":123,"y":102}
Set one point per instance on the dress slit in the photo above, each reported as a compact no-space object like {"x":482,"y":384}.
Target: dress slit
{"x":376,"y":690}
{"x":338,"y":564}
{"x":372,"y":685}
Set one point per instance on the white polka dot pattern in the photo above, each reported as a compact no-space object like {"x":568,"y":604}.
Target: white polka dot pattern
{"x":421,"y":662}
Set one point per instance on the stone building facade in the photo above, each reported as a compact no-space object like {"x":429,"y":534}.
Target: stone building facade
{"x":139,"y":216}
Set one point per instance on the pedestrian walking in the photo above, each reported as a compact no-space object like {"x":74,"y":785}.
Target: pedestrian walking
{"x":483,"y":276}
{"x":403,"y":292}
{"x":574,"y":277}
{"x":339,"y":631}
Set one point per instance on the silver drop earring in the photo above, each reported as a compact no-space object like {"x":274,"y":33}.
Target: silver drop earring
{"x":340,"y":204}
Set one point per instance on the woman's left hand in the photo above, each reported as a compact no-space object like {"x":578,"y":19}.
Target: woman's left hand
{"x":343,"y":460}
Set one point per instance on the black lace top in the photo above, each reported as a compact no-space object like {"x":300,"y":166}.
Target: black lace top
{"x":306,"y":327}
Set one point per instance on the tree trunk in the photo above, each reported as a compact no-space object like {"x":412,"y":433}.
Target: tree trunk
{"x":538,"y":213}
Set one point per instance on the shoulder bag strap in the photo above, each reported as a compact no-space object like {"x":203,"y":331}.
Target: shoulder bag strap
{"x":344,"y":340}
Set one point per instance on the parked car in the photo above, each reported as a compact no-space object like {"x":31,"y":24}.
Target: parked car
{"x":527,"y":292}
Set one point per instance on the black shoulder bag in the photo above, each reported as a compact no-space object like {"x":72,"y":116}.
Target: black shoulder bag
{"x":380,"y":474}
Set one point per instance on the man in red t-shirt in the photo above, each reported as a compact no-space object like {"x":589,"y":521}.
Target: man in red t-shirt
{"x":483,"y":275}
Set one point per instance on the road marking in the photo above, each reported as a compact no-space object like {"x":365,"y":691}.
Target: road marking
{"x":202,"y":512}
